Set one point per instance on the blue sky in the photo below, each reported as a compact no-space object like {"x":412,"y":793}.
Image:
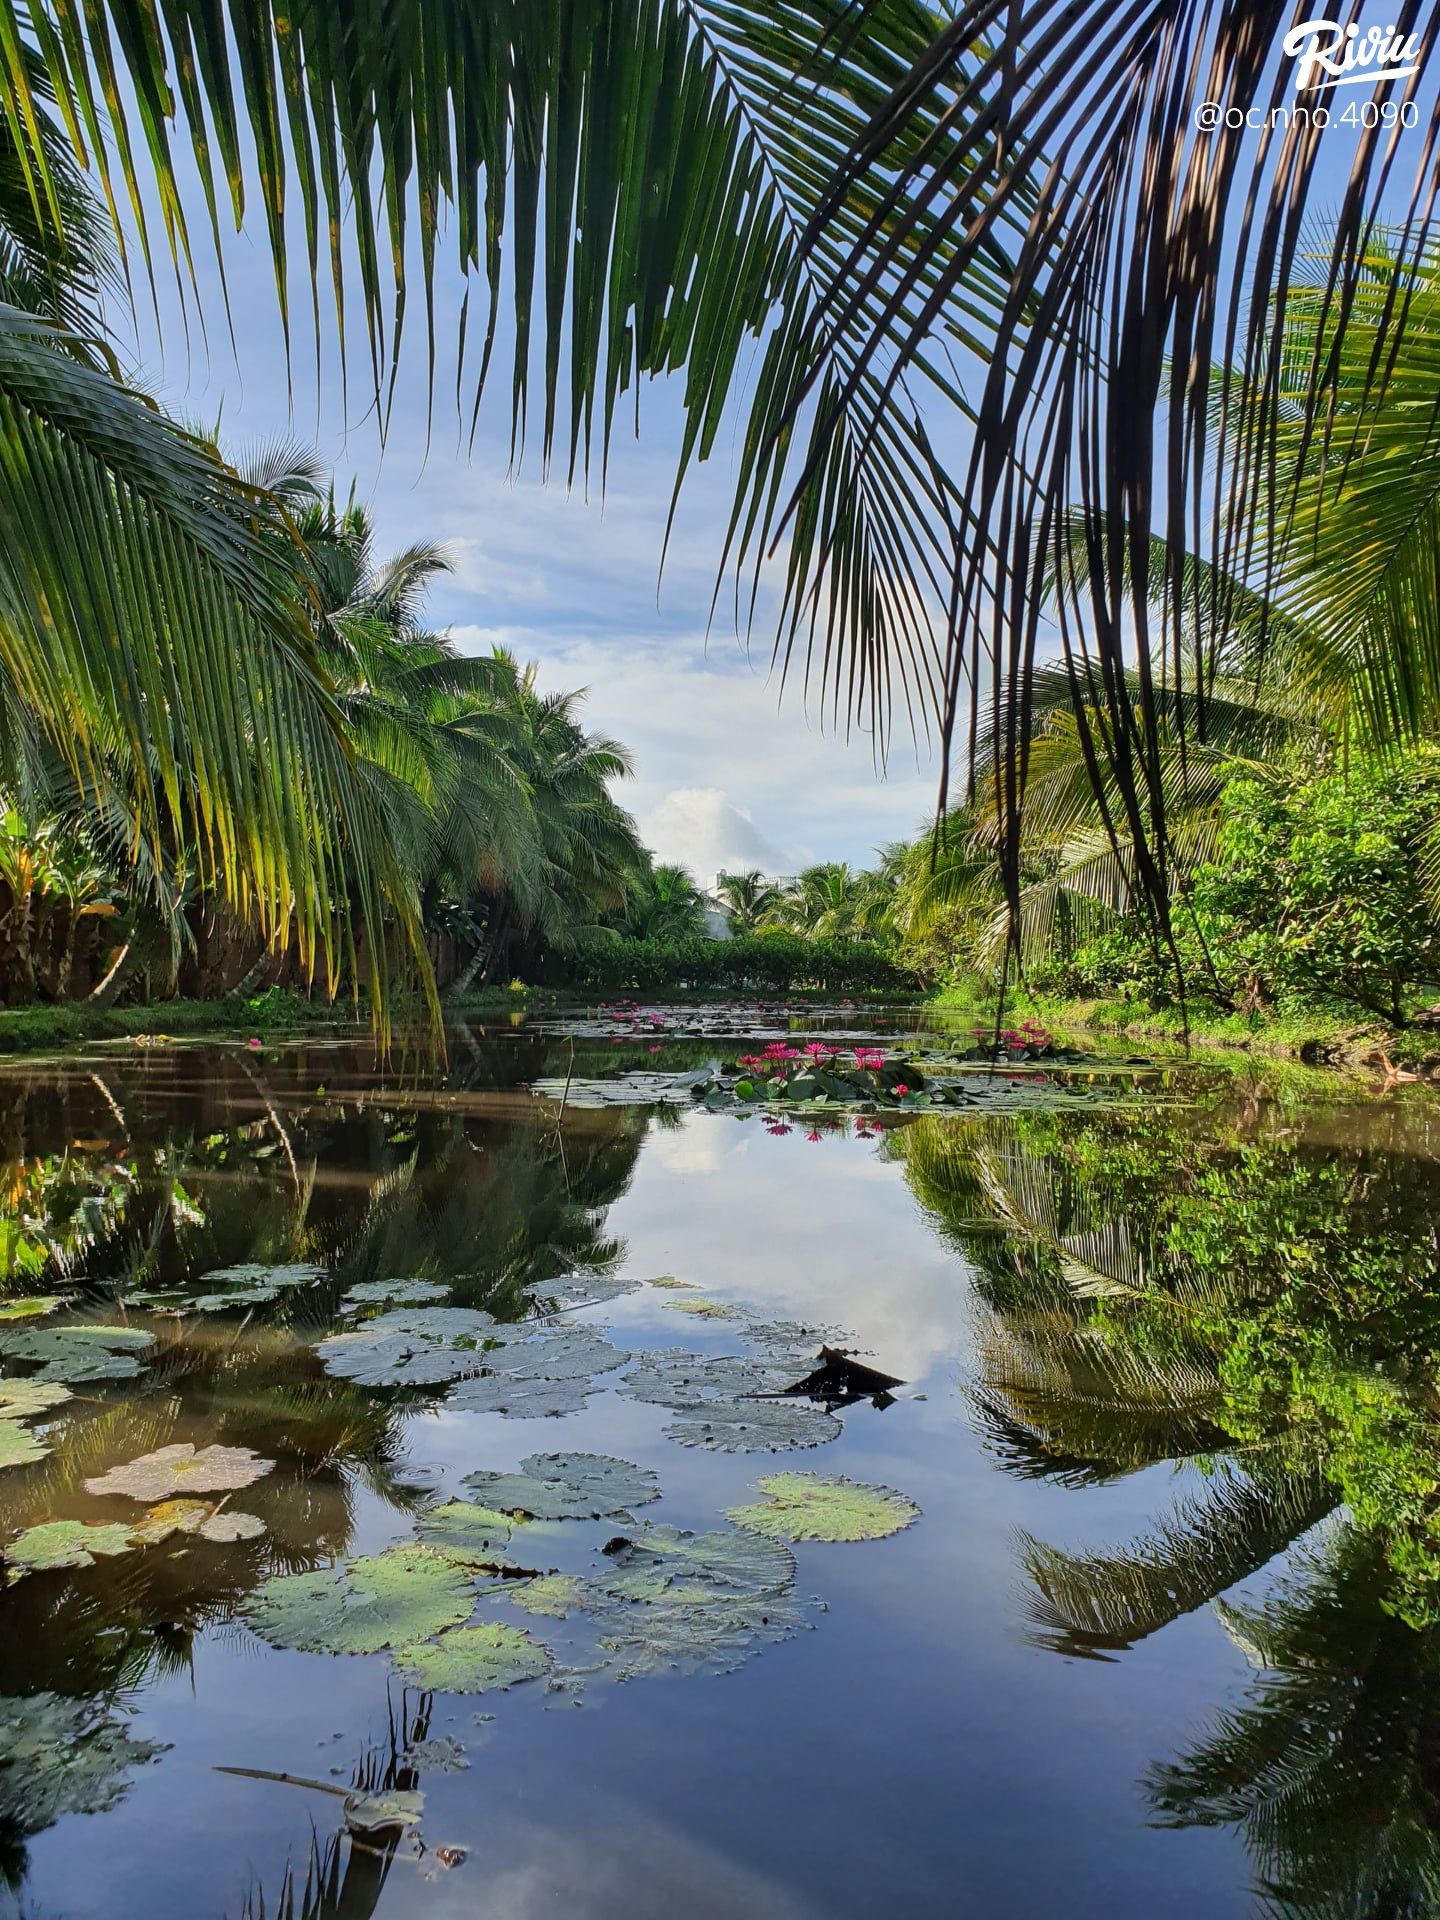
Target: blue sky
{"x":725,"y":773}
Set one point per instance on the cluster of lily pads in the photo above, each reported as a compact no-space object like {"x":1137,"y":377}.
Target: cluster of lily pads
{"x":227,"y":1289}
{"x":647,"y":1599}
{"x":819,"y":1079}
{"x":550,"y":1364}
{"x":170,"y":1478}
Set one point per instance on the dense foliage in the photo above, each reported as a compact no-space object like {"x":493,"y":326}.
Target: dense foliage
{"x":769,"y":962}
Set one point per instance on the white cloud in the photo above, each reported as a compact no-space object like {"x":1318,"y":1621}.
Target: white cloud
{"x":701,"y":828}
{"x":701,"y":720}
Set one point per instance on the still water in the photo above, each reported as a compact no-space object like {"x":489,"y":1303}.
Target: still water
{"x":1161,"y":1641}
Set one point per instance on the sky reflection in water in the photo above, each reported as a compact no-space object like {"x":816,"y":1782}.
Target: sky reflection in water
{"x":972,"y":1726}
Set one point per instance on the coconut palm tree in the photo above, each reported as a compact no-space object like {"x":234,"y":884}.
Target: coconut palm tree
{"x":749,"y":899}
{"x":892,"y":199}
{"x":582,"y":854}
{"x":666,"y":904}
{"x":154,"y":637}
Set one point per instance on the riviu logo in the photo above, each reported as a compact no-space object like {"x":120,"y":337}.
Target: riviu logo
{"x":1327,"y":54}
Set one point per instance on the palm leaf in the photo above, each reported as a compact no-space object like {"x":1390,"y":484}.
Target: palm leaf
{"x":146,"y":626}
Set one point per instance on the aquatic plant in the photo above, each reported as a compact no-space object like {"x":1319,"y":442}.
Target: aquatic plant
{"x":816,"y":1506}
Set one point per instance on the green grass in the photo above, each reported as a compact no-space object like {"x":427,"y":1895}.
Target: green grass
{"x":46,"y":1029}
{"x":1316,"y":1037}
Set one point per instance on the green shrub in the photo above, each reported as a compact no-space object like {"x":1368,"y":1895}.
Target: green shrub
{"x":753,"y":963}
{"x":1315,"y":898}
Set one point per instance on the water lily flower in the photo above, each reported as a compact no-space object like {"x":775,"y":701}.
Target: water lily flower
{"x":814,"y":1134}
{"x":254,"y":1043}
{"x":900,"y":1092}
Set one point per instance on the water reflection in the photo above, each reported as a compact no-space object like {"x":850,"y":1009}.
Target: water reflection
{"x":1249,"y":1293}
{"x":1215,"y":1305}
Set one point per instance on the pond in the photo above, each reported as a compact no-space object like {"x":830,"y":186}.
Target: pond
{"x":395,"y":1538}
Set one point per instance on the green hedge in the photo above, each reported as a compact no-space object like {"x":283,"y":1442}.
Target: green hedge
{"x":771,"y":962}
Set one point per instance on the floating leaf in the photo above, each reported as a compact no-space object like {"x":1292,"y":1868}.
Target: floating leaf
{"x":18,"y":1446}
{"x":725,"y":1403}
{"x":230,"y":1524}
{"x":556,"y":1595}
{"x":703,"y":1309}
{"x":19,"y":1399}
{"x":672,"y":1599}
{"x":518,"y":1397}
{"x":483,"y":1659}
{"x":171,"y":1517}
{"x":818,"y":1506}
{"x":34,"y":1308}
{"x":440,"y":1755}
{"x":571,"y":1290}
{"x":395,"y":1293}
{"x":380,"y":1600}
{"x":60,"y":1756}
{"x":65,"y":1543}
{"x":413,"y":1346}
{"x":550,"y":1373}
{"x":660,"y":1561}
{"x":754,"y":1426}
{"x":471,"y":1535}
{"x":716,"y":1635}
{"x":567,"y":1486}
{"x":77,"y":1354}
{"x":669,"y":1282}
{"x":227,"y":1288}
{"x":181,"y":1469}
{"x":370,"y":1812}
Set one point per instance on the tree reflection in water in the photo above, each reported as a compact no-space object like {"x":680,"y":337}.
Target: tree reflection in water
{"x":1250,"y":1292}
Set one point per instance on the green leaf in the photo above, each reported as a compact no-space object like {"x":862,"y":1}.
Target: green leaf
{"x":815,"y":1506}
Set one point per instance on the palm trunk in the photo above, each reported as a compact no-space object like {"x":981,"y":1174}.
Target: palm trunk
{"x":105,"y":994}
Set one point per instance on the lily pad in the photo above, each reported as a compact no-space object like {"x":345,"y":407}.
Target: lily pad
{"x":182,"y":1469}
{"x":570,"y":1290}
{"x":716,"y":1635}
{"x":33,"y":1308}
{"x":412,"y":1346}
{"x":65,"y":1543}
{"x":440,"y":1755}
{"x":818,"y":1506}
{"x":60,"y":1756}
{"x":728,"y":1403}
{"x":754,"y":1426}
{"x":555,"y":1595}
{"x":371,"y":1812}
{"x":227,"y":1288}
{"x":659,"y":1562}
{"x":470,"y":1535}
{"x":171,"y":1517}
{"x":380,"y":1600}
{"x":18,"y":1446}
{"x":229,"y":1525}
{"x":483,"y":1659}
{"x":19,"y":1399}
{"x":78,"y":1354}
{"x":567,"y":1486}
{"x":550,"y":1373}
{"x":703,"y":1309}
{"x":394,"y":1293}
{"x":671,"y":1599}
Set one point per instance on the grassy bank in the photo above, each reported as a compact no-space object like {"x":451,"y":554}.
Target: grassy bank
{"x":45,"y":1029}
{"x":1316,"y":1038}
